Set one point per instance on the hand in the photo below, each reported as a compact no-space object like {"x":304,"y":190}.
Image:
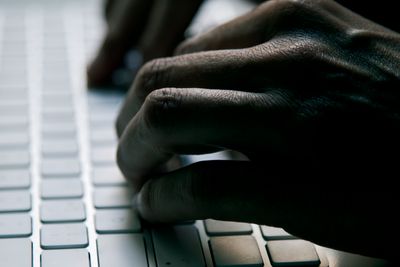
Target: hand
{"x":153,"y":27}
{"x":309,"y":91}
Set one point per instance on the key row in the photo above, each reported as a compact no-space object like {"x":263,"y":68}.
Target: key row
{"x":170,"y":249}
{"x":68,"y":187}
{"x":66,"y":212}
{"x":108,"y":197}
{"x":68,"y":167}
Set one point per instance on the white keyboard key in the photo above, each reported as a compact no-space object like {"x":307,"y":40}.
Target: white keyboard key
{"x":60,"y":100}
{"x":65,"y":258}
{"x":61,"y":188}
{"x":104,"y":155}
{"x":235,"y":251}
{"x":59,"y":130}
{"x":113,"y":197}
{"x":215,"y":228}
{"x":15,"y":225}
{"x":52,"y":211}
{"x":105,"y":98}
{"x":15,"y":201}
{"x":56,"y":114}
{"x":123,"y":250}
{"x":56,"y":94}
{"x":13,"y":70}
{"x":178,"y":246}
{"x":14,"y":159}
{"x":103,"y":136}
{"x":108,"y":175}
{"x":292,"y":253}
{"x":13,"y":105}
{"x":274,"y":233}
{"x":102,"y":120}
{"x":16,"y":50}
{"x":16,"y":252}
{"x":15,"y":179}
{"x":15,"y":91}
{"x":60,"y":236}
{"x":14,"y":122}
{"x":59,"y":87}
{"x":59,"y":148}
{"x":13,"y":140}
{"x":60,"y":168}
{"x":117,"y":221}
{"x":10,"y":110}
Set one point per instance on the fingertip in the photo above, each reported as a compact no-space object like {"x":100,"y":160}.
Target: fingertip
{"x":108,"y":59}
{"x":138,"y":206}
{"x":98,"y":73}
{"x":119,"y":129}
{"x":142,"y":205}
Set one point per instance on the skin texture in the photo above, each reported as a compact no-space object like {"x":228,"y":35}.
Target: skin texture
{"x":309,"y":92}
{"x":156,"y":27}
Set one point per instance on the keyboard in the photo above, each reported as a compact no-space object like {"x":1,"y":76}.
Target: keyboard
{"x":63,"y":200}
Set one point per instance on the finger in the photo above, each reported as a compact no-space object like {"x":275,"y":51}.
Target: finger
{"x":242,"y":69}
{"x":185,"y":71}
{"x":190,"y":121}
{"x":243,"y":191}
{"x":108,"y":7}
{"x":215,"y":189}
{"x":247,"y":30}
{"x":166,"y":26}
{"x":124,"y":29}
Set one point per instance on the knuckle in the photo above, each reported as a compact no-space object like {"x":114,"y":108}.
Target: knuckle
{"x":152,"y":75}
{"x":161,"y":107}
{"x":291,"y":14}
{"x":297,"y":47}
{"x":305,"y":47}
{"x":297,"y":4}
{"x":290,"y":6}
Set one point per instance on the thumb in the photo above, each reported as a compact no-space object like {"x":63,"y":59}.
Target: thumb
{"x":225,"y":190}
{"x":242,"y":191}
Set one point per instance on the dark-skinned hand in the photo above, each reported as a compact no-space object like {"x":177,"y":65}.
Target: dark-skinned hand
{"x":153,"y":27}
{"x":309,"y":91}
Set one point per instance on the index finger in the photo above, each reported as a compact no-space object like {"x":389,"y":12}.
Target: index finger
{"x":197,"y":121}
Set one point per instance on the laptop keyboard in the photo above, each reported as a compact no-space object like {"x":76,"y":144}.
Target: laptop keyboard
{"x":63,"y":201}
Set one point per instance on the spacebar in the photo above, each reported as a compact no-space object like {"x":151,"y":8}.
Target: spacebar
{"x":125,"y":250}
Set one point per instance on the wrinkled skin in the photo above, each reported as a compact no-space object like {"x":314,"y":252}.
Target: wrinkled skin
{"x":309,"y":92}
{"x":155,"y":27}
